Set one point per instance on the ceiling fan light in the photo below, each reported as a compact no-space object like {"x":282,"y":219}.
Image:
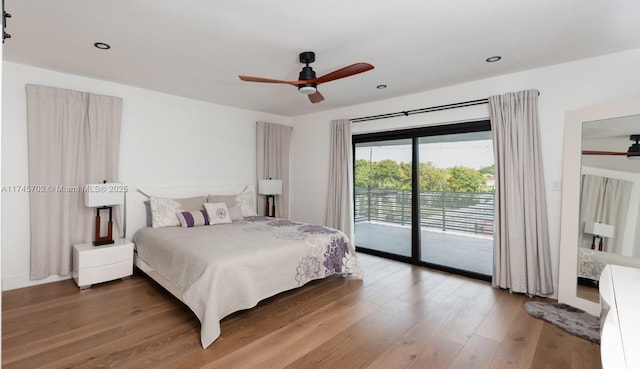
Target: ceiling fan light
{"x":307,"y":90}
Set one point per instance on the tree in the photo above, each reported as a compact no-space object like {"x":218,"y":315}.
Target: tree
{"x":404,"y":176}
{"x":362,"y":173}
{"x":432,"y":178}
{"x":463,"y":179}
{"x":488,"y":170}
{"x":385,"y":174}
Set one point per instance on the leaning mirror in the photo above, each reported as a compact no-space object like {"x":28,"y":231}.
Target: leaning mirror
{"x":600,"y":199}
{"x":609,"y":232}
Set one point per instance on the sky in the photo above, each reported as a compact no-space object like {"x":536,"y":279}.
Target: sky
{"x":473,"y":154}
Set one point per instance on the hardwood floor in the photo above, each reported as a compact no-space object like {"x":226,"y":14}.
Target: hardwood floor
{"x":400,"y":316}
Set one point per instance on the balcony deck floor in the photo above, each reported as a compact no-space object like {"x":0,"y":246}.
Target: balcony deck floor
{"x":452,"y":249}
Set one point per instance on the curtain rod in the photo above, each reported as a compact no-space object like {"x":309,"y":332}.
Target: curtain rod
{"x":424,"y":110}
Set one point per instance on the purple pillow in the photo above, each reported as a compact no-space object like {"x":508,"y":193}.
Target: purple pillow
{"x":193,"y":218}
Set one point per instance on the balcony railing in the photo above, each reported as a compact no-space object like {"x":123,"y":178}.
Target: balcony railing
{"x":458,"y":211}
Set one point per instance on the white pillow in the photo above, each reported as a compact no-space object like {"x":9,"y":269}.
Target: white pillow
{"x":235,"y":210}
{"x":218,"y":213}
{"x":245,"y":199}
{"x":163,"y":212}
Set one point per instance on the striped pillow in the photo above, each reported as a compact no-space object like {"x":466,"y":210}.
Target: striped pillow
{"x":193,"y":218}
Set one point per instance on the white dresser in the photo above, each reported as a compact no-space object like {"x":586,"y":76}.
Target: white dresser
{"x":620,"y":317}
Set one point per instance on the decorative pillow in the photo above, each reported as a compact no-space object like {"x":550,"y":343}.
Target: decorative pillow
{"x":163,"y":211}
{"x":245,"y":199}
{"x":218,"y":213}
{"x":233,"y":204}
{"x":190,"y":219}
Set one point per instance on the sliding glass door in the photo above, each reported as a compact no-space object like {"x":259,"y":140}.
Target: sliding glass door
{"x":383,"y":196}
{"x":426,"y":196}
{"x":456,"y":201}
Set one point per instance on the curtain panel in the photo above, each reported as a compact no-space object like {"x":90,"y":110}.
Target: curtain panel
{"x":521,"y":252}
{"x":273,"y":143}
{"x":74,"y":140}
{"x":340,"y":193}
{"x":605,"y":200}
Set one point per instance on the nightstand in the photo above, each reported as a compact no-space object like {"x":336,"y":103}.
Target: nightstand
{"x":96,"y":264}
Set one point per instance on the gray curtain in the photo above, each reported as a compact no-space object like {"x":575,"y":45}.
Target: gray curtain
{"x":605,"y":200}
{"x":340,"y":194}
{"x":521,"y":252}
{"x":74,"y":140}
{"x":272,"y":161}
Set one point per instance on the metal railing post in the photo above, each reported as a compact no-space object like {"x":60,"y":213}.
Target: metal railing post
{"x":444,"y":212}
{"x":369,"y":204}
{"x":401,"y":207}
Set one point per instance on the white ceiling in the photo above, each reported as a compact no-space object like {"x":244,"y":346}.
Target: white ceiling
{"x":197,"y":48}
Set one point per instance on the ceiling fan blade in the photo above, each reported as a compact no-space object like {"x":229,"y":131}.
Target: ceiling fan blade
{"x":268,"y":80}
{"x":316,"y":97}
{"x":589,"y":152}
{"x":344,"y":72}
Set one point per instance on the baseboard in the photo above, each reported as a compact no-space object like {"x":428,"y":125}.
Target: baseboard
{"x":20,"y":281}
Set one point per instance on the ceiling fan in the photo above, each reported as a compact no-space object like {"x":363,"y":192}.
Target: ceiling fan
{"x":632,"y":153}
{"x":307,"y":82}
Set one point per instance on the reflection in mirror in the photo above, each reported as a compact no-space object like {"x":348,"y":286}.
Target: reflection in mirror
{"x":609,"y":201}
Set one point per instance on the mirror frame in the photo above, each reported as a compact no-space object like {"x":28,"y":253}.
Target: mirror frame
{"x":571,"y":174}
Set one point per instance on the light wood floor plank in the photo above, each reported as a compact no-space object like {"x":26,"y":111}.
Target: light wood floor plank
{"x":520,"y":342}
{"x":409,"y":347}
{"x":477,"y":353}
{"x":498,"y":320}
{"x":565,"y":350}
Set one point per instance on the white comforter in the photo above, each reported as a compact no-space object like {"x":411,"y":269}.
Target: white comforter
{"x":221,"y":269}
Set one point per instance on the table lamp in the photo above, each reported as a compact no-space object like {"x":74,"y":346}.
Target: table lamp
{"x":598,"y":230}
{"x":270,"y":188}
{"x":102,"y":197}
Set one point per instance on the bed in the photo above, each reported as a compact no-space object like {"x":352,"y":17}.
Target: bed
{"x":591,"y":263}
{"x":223,"y":268}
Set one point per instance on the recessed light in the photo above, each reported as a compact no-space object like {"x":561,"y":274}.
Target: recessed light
{"x":493,"y":59}
{"x":102,"y":46}
{"x":381,"y":87}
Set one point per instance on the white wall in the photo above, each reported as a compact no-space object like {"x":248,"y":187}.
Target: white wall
{"x":165,"y":140}
{"x":562,"y":87}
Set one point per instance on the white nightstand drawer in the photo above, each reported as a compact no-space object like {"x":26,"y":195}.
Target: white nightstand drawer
{"x":105,"y":255}
{"x":89,"y":276}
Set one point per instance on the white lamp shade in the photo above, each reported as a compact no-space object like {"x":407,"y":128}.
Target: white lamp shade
{"x":103,"y":194}
{"x":270,"y":187}
{"x":599,"y":229}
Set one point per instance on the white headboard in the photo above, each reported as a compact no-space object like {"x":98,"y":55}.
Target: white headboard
{"x":136,"y":213}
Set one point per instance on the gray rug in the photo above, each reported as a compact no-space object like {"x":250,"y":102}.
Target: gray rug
{"x":572,"y":320}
